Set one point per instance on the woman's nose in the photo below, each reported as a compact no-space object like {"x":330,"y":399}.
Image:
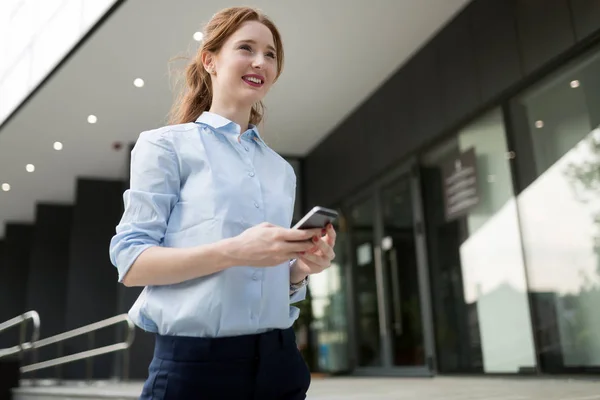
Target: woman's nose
{"x":259,"y":62}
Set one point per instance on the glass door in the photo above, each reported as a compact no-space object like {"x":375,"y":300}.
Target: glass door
{"x":392,"y":315}
{"x":400,"y":261}
{"x":368,"y":336}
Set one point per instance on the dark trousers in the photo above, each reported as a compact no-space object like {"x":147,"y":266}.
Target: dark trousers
{"x":258,"y":367}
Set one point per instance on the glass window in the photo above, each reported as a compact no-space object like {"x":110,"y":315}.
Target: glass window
{"x":557,"y":144}
{"x":329,"y":325}
{"x":479,"y":292}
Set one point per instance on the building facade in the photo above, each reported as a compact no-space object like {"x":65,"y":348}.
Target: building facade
{"x":469,"y":192}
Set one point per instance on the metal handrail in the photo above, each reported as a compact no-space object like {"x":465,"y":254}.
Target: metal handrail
{"x":88,"y":329}
{"x":21,"y":320}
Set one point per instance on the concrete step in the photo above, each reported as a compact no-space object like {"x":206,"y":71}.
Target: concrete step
{"x":77,"y":390}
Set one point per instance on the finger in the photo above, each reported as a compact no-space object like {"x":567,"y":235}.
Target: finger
{"x":294,"y":235}
{"x":331,"y":235}
{"x":309,"y":263}
{"x":297,"y":247}
{"x":314,"y":262}
{"x":326,"y":249}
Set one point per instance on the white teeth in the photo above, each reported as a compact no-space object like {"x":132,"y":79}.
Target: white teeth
{"x":253,"y":79}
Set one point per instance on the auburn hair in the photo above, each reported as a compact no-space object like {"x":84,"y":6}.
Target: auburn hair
{"x":196,"y":95}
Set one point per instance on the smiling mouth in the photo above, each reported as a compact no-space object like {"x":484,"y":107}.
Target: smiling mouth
{"x":253,"y":81}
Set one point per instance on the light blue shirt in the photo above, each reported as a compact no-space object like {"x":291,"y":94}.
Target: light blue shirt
{"x":193,"y":184}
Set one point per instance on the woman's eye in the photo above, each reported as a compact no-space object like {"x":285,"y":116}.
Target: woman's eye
{"x":271,"y":54}
{"x":245,"y":47}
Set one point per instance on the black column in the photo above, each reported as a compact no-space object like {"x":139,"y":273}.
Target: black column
{"x":13,"y":278}
{"x":49,"y":262}
{"x":92,"y":280}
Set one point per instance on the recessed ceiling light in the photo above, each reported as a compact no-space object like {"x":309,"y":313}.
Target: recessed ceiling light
{"x":30,"y":167}
{"x":198,"y":36}
{"x":575,"y":84}
{"x":5,"y":187}
{"x":539,"y":124}
{"x":138,"y":82}
{"x":92,"y":119}
{"x":58,"y":146}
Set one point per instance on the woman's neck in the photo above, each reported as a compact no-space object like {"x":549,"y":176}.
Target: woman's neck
{"x":238,"y":115}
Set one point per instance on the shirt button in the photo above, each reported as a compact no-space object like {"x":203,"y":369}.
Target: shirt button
{"x":256,"y":204}
{"x":250,"y":174}
{"x":255,"y":276}
{"x":246,"y":148}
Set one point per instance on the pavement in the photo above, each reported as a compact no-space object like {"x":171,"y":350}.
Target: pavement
{"x":363,"y":388}
{"x":438,"y":388}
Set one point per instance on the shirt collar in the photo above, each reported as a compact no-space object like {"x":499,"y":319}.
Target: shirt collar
{"x":225,"y":125}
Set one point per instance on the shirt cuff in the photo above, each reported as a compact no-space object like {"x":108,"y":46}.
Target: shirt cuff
{"x":298,"y":296}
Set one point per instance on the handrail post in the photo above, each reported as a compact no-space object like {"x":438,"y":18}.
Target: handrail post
{"x":125,"y":370}
{"x":59,"y":374}
{"x":34,"y":359}
{"x":90,"y":360}
{"x":22,"y":335}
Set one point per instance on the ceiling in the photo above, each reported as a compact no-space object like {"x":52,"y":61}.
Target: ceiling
{"x":337,"y":53}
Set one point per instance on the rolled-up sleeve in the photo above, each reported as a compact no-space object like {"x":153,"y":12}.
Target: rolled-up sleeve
{"x":153,"y":192}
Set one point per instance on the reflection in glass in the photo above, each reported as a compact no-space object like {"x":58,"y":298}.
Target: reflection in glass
{"x":368,"y":340}
{"x":479,"y":290}
{"x":560,"y":211}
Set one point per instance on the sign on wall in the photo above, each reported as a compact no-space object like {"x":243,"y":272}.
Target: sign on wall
{"x":460,"y":184}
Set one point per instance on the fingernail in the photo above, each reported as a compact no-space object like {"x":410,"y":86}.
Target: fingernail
{"x":302,"y":253}
{"x":323,"y":231}
{"x":315,"y":239}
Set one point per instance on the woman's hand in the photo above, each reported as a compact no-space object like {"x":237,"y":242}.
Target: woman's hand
{"x":267,"y":245}
{"x":316,"y":259}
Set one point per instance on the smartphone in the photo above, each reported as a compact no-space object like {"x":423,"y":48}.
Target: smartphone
{"x":318,"y":217}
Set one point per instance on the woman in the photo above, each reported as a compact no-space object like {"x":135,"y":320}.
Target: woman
{"x":206,"y":230}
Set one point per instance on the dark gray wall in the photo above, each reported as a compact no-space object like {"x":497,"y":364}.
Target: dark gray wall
{"x":48,"y":268}
{"x":92,"y":293}
{"x":484,"y":55}
{"x":13,"y":277}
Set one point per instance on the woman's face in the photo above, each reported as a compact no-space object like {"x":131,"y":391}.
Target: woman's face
{"x":246,"y":66}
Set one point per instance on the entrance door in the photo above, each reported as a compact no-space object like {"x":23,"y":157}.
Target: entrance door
{"x":393,"y":333}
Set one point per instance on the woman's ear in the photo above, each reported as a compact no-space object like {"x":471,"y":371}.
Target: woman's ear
{"x":208,"y":61}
